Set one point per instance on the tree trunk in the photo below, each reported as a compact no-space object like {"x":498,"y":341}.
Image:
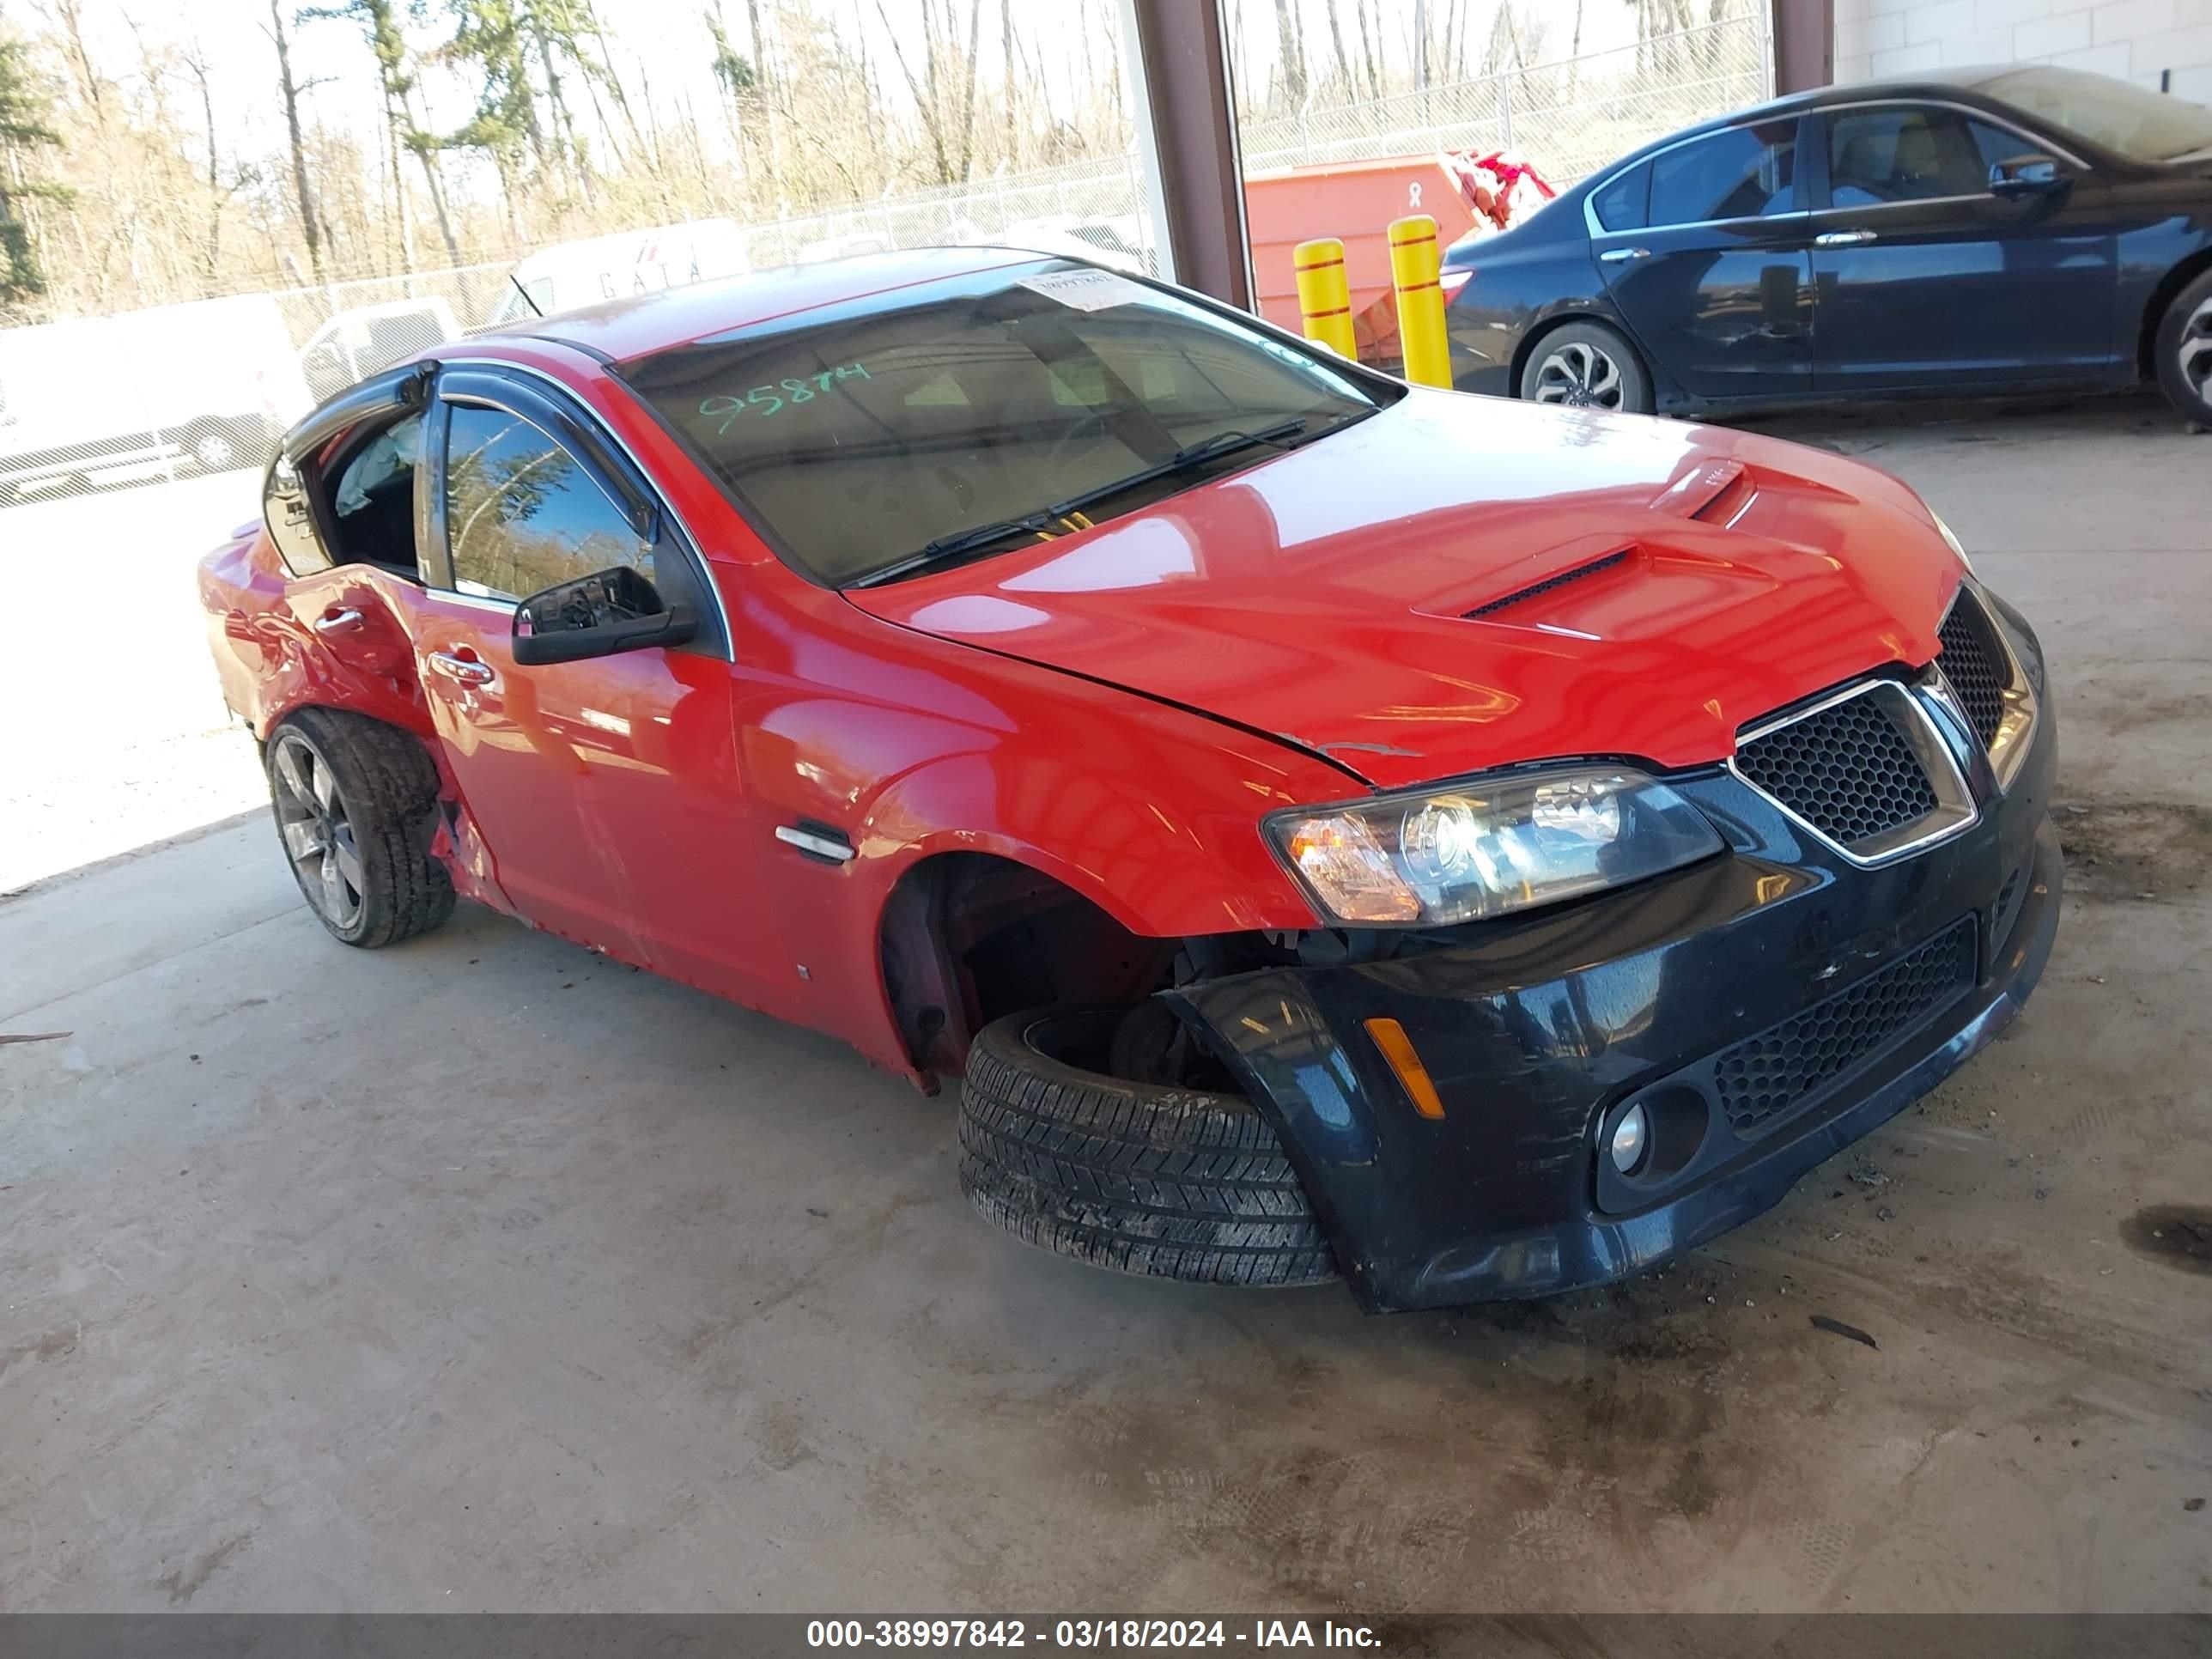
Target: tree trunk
{"x":310,"y":227}
{"x":1367,"y":49}
{"x":1343,"y":64}
{"x":1006,"y":60}
{"x":968,"y":88}
{"x":1293,"y":52}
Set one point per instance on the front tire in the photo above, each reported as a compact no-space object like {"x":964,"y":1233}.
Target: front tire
{"x":1143,"y":1178}
{"x":2183,"y":350}
{"x":1587,"y":366}
{"x":355,"y":803}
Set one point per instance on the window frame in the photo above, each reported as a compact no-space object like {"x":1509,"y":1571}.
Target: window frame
{"x":378,"y":402}
{"x":679,"y":571}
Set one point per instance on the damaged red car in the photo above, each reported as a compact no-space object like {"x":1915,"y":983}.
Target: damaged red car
{"x":1329,"y":827}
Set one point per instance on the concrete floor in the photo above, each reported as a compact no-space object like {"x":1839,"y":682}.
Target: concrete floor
{"x":481,"y":1273}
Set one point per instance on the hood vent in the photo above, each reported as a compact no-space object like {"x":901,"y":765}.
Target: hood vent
{"x":1521,"y":595}
{"x":1729,"y":502}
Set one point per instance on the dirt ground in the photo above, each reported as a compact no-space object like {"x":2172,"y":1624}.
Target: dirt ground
{"x":483,"y":1274}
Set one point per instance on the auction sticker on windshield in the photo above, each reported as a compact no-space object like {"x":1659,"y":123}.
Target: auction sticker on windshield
{"x":1087,"y":290}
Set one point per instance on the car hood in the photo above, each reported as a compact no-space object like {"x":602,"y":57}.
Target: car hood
{"x":1461,"y":582}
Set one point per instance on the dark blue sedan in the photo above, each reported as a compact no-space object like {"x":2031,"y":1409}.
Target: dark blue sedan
{"x":1992,"y":231}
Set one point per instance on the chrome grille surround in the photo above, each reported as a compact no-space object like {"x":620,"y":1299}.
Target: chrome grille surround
{"x":1907,"y":713}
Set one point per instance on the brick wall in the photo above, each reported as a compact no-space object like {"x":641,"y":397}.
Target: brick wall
{"x":2135,"y":39}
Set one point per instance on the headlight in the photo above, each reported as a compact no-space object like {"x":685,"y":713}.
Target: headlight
{"x":1490,"y":845}
{"x":1956,"y":545}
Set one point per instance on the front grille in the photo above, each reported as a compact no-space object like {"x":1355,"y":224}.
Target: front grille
{"x":1764,"y":1079}
{"x":1520,"y":595}
{"x":1845,"y":770}
{"x":1972,"y":663}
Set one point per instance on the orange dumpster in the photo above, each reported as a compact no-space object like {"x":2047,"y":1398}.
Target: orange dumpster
{"x":1355,"y":200}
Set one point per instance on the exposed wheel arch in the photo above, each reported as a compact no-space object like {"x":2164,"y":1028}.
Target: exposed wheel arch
{"x":966,"y":938}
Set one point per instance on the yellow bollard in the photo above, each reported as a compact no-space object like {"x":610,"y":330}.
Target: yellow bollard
{"x":1325,"y":294}
{"x":1414,"y":268}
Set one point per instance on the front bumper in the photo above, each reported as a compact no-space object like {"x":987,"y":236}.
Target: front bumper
{"x":1536,"y":1036}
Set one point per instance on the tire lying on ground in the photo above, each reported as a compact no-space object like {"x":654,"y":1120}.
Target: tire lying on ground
{"x":1172,"y":1182}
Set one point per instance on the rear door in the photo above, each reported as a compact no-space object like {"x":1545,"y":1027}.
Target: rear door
{"x":1714,"y":276}
{"x":1926,"y":279}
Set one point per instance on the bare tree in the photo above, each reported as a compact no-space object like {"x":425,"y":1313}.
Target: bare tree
{"x":1292,"y":48}
{"x":311,"y":229}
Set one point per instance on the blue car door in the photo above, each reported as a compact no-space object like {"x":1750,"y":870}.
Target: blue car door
{"x":1715,"y":277}
{"x":1927,"y":277}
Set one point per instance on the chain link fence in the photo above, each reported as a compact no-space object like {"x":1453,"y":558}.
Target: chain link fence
{"x":212,"y":383}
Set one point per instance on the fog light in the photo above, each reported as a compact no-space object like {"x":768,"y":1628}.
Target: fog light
{"x":1628,"y":1138}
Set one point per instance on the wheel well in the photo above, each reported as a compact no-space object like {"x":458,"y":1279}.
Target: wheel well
{"x":1552,"y":325}
{"x":969,"y":936}
{"x":2153,"y":313}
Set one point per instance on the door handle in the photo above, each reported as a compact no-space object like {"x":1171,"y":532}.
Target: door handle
{"x":1844,"y":238}
{"x":464,"y":671}
{"x":338,"y":619}
{"x":1621,"y":256}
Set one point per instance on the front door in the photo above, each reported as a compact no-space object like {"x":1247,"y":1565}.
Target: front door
{"x":1926,"y":279}
{"x":606,"y":791}
{"x":1717,"y":282}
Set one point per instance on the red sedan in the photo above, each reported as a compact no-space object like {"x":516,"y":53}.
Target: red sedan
{"x":1331,"y":826}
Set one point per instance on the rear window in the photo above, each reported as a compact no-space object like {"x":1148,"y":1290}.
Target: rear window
{"x":1744,"y":173}
{"x":1620,"y":205}
{"x":857,"y":442}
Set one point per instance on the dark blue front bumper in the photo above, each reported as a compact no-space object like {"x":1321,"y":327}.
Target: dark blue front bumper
{"x":1536,"y":1036}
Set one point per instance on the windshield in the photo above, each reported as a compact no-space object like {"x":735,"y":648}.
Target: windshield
{"x":2132,"y":121}
{"x":861,"y":442}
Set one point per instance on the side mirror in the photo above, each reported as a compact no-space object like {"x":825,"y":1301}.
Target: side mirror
{"x":2027,"y":175}
{"x":596,"y":616}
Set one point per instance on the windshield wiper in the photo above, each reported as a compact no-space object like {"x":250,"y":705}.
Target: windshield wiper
{"x":1228,"y":443}
{"x":949,"y":547}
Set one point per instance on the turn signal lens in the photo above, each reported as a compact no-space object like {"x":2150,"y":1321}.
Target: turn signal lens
{"x":1341,"y":856}
{"x":1398,"y":1049}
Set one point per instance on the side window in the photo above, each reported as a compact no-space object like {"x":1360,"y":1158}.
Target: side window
{"x":373,"y":501}
{"x":1621,"y":204}
{"x":522,"y":514}
{"x":1746,"y":172}
{"x":1877,"y":157}
{"x":1998,"y":144}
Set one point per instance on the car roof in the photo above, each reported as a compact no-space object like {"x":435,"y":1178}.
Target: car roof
{"x":1965,"y":85}
{"x":622,"y":329}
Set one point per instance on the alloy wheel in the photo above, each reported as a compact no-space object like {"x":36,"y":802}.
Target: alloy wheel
{"x":310,"y":816}
{"x":2195,"y":352}
{"x":1580,"y":375}
{"x":214,"y":452}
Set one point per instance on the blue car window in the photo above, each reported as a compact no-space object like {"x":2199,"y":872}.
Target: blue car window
{"x":1746,"y":172}
{"x":1620,"y":204}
